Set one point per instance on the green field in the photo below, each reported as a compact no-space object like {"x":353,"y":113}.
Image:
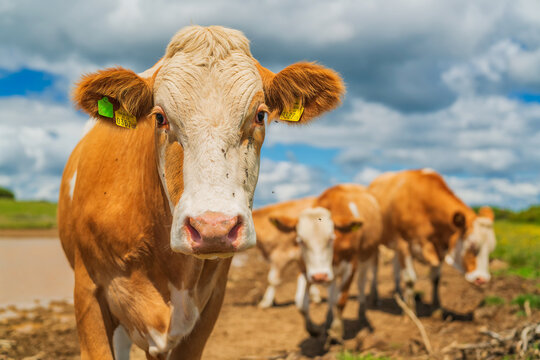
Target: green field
{"x":27,"y":214}
{"x":518,"y":244}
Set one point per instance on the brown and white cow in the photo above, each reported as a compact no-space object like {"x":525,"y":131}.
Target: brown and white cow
{"x":425,"y":220}
{"x":150,"y":217}
{"x":338,"y":234}
{"x":278,"y":247}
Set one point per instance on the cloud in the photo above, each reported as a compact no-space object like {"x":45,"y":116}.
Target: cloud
{"x":35,"y":141}
{"x":284,"y":180}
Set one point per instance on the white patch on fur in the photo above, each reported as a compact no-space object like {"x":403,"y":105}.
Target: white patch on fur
{"x":427,"y":171}
{"x":89,"y":125}
{"x":121,"y":343}
{"x":72,"y":183}
{"x":157,"y":342}
{"x":409,"y":275}
{"x":354,"y":209}
{"x":184,"y":314}
{"x":301,"y":284}
{"x":315,"y":229}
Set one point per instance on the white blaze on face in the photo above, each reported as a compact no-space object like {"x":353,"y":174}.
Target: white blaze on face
{"x":72,"y":182}
{"x":481,"y":241}
{"x":210,"y":89}
{"x":315,"y":233}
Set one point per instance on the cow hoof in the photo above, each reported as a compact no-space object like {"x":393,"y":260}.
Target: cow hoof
{"x":374,"y":301}
{"x":265,"y":304}
{"x":438,"y":314}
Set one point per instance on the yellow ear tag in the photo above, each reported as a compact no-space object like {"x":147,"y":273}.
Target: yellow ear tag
{"x":293,"y":114}
{"x":125,"y":119}
{"x":356,"y":227}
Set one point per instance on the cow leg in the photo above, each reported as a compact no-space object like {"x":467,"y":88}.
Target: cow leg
{"x":409,"y":277}
{"x":274,"y":280}
{"x":302,"y":303}
{"x":435,"y":276}
{"x":397,"y":275}
{"x":121,"y":343}
{"x":362,"y":277}
{"x":374,"y":293}
{"x":315,"y":294}
{"x":94,"y":321}
{"x":337,"y":301}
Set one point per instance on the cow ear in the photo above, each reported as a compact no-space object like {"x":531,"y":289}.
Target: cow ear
{"x":123,"y":89}
{"x":459,"y":220}
{"x":352,"y":226}
{"x":316,"y":88}
{"x":284,"y":223}
{"x":486,"y":212}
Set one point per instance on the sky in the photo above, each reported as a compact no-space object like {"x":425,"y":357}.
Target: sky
{"x":449,"y":85}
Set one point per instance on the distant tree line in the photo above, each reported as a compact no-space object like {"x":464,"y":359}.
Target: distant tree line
{"x":6,"y":194}
{"x":529,"y":215}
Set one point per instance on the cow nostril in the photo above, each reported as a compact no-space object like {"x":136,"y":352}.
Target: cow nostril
{"x":233,"y":234}
{"x":195,"y":235}
{"x":480,"y":281}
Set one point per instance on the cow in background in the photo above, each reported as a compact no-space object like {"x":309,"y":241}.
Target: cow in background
{"x":150,"y":216}
{"x":278,"y":247}
{"x":425,"y":220}
{"x":339,"y":234}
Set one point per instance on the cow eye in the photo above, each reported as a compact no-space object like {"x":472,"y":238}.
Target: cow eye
{"x":261,"y":117}
{"x":160,"y":119}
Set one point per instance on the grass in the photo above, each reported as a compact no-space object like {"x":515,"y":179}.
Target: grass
{"x":346,"y":355}
{"x":493,"y":300}
{"x":27,"y":214}
{"x":534,"y":300}
{"x":518,"y":244}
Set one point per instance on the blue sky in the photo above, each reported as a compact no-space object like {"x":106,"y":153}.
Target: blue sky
{"x":454,"y":86}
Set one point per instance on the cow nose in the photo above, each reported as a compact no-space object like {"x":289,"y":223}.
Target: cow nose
{"x":480,"y":281}
{"x":213,"y":232}
{"x":319,"y":278}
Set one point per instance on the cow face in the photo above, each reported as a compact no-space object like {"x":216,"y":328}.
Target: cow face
{"x":210,"y":100}
{"x":471,"y":252}
{"x":315,"y":237}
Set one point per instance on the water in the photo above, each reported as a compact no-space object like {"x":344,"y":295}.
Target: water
{"x":33,"y":270}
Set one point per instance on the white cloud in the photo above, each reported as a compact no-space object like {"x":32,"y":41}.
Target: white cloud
{"x":36,"y":138}
{"x":284,"y":180}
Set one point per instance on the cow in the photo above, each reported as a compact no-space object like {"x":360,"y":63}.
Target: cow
{"x":277,"y":247}
{"x":338,"y":234}
{"x":151,"y":211}
{"x":425,"y":220}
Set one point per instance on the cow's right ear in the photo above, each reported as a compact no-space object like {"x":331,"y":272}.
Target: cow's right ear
{"x":284,"y":224}
{"x":459,"y":220}
{"x":123,"y":88}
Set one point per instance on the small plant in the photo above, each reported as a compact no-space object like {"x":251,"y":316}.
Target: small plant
{"x":534,"y":300}
{"x":346,"y":355}
{"x":493,"y":300}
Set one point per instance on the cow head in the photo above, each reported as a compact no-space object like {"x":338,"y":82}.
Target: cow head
{"x":210,"y":101}
{"x":476,"y":240}
{"x":315,"y":235}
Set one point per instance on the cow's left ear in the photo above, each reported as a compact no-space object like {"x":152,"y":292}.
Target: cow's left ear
{"x":284,"y":224}
{"x":123,"y":89}
{"x":352,"y":226}
{"x":486,"y":212}
{"x":318,"y":89}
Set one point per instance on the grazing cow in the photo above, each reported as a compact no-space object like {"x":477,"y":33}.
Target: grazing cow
{"x":423,"y":219}
{"x":278,"y":247}
{"x":149,"y":217}
{"x":338,"y":234}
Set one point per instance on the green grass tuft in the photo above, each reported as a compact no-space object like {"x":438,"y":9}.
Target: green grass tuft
{"x":493,"y":300}
{"x":27,"y":214}
{"x":534,"y":300}
{"x":346,"y":355}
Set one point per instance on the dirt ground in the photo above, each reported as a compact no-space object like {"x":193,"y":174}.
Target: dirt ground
{"x":244,"y":331}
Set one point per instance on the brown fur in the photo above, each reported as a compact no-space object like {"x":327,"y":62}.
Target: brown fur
{"x":124,"y":89}
{"x":319,"y":88}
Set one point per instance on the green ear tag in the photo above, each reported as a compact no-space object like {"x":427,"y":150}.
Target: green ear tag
{"x":105,"y":108}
